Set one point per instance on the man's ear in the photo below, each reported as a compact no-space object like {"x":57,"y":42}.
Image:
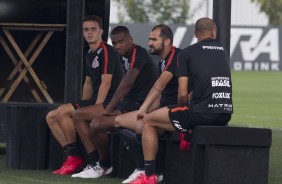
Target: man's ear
{"x":167,"y":42}
{"x":214,"y":34}
{"x":131,"y":39}
{"x":101,"y":32}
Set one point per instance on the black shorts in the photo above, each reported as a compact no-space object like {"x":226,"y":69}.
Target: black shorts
{"x":184,"y":118}
{"x":127,"y":105}
{"x":84,"y":103}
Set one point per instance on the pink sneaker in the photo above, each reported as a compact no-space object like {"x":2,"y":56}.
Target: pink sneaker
{"x":71,"y":164}
{"x":143,"y":179}
{"x":184,"y":144}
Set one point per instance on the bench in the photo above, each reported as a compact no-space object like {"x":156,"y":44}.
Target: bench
{"x":217,"y":155}
{"x":220,"y":155}
{"x":27,"y":136}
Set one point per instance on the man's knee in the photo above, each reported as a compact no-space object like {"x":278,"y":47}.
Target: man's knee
{"x":96,"y":126}
{"x":62,"y":111}
{"x":77,"y":115}
{"x":139,"y":130}
{"x":51,"y":117}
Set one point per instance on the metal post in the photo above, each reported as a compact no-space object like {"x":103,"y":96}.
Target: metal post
{"x":106,"y":19}
{"x":222,"y":18}
{"x":74,"y":50}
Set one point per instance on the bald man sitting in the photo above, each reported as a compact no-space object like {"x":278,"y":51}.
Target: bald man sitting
{"x":206,"y":65}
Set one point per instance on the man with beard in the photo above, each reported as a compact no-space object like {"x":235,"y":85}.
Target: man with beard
{"x":206,"y":65}
{"x":163,"y":93}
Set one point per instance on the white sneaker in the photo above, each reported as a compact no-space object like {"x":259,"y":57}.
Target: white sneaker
{"x":85,"y":170}
{"x":91,"y":171}
{"x":159,"y":178}
{"x":133,"y":176}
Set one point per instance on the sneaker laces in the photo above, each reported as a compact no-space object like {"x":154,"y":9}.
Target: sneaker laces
{"x":88,"y":167}
{"x":97,"y":167}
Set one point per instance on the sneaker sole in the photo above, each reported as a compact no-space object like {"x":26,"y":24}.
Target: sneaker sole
{"x":160,"y":178}
{"x":109,"y":171}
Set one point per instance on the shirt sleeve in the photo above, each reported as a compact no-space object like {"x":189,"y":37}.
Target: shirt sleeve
{"x":183,"y":64}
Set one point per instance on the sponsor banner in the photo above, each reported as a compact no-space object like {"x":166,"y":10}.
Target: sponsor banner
{"x":251,"y":48}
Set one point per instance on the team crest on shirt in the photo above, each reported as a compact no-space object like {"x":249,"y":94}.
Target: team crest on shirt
{"x":95,"y":62}
{"x":162,"y":65}
{"x":126,"y":63}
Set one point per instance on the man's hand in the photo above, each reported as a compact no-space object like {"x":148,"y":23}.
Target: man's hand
{"x":141,"y":113}
{"x":111,"y":113}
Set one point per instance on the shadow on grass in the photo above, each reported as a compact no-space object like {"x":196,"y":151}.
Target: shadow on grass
{"x":2,"y":148}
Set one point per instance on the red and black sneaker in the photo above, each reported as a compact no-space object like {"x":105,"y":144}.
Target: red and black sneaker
{"x":71,"y":164}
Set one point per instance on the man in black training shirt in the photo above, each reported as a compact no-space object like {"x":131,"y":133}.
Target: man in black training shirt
{"x":130,"y":94}
{"x":206,"y":65}
{"x":103,"y":75}
{"x":163,"y":93}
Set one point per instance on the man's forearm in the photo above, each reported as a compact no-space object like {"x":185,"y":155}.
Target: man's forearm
{"x":102,"y":93}
{"x":118,"y":96}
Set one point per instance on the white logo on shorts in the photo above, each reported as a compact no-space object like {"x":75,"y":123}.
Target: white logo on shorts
{"x":178,"y":126}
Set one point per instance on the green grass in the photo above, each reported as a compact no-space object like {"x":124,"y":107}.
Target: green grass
{"x":275,"y":160}
{"x":15,"y":176}
{"x":257,"y":98}
{"x":257,"y":103}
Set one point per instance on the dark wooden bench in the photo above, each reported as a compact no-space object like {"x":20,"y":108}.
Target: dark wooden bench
{"x":218,"y":155}
{"x":28,"y":136}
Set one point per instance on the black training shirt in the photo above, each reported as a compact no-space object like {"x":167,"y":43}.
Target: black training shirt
{"x":104,"y":60}
{"x":140,"y":59}
{"x":206,"y":64}
{"x":169,"y":94}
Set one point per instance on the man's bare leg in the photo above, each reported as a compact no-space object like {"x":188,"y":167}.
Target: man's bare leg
{"x":66,"y":122}
{"x":55,"y":128}
{"x":62,"y":127}
{"x":154,"y":121}
{"x":82,"y":118}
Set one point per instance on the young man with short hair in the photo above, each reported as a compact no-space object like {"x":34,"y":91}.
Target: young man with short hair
{"x":103,"y":74}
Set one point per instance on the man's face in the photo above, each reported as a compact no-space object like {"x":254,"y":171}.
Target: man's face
{"x":156,"y":43}
{"x":122,"y":43}
{"x":92,"y":32}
